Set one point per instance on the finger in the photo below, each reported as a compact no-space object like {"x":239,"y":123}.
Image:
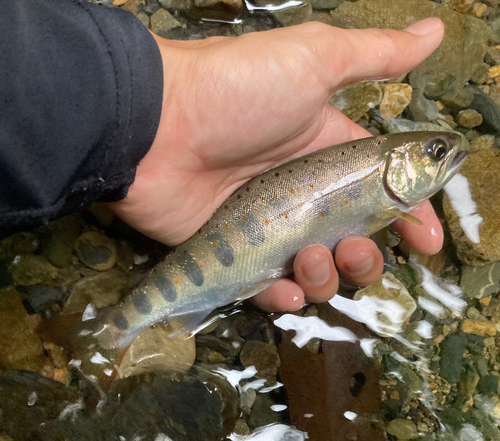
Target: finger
{"x":284,"y":295}
{"x":315,"y":273}
{"x":353,"y":55}
{"x":426,"y":238}
{"x":359,"y":261}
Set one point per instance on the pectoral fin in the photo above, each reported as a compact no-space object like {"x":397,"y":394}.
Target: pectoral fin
{"x":405,"y":216}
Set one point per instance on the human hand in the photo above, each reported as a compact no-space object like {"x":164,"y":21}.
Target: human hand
{"x":235,"y":107}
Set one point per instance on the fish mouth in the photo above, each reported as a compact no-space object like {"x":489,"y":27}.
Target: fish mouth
{"x":459,"y":159}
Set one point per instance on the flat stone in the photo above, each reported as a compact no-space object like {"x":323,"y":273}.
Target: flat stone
{"x":396,"y":98}
{"x":478,"y":282}
{"x":482,"y":170}
{"x":21,"y":347}
{"x":162,"y":22}
{"x":96,"y":250}
{"x":28,"y":270}
{"x":41,"y":297}
{"x":452,"y":357}
{"x":458,"y":56}
{"x":325,"y":4}
{"x":154,"y":351}
{"x":357,"y":100}
{"x":182,"y":5}
{"x":402,"y":429}
{"x":104,"y":289}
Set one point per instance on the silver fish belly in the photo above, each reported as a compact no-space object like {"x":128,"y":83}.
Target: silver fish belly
{"x":251,"y":240}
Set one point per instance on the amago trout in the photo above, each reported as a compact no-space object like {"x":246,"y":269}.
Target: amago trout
{"x":356,"y":188}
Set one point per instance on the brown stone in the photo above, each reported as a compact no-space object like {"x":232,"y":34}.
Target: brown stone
{"x":264,"y":356}
{"x":479,"y":327}
{"x":20,"y":345}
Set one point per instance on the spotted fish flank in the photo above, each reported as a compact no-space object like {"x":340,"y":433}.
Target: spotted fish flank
{"x":142,"y":303}
{"x":120,"y":321}
{"x":252,"y":230}
{"x":221,"y":248}
{"x":166,"y":288}
{"x":354,"y":189}
{"x":191,"y":269}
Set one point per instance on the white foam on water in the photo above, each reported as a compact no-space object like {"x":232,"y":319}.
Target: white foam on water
{"x":273,"y":432}
{"x":71,"y":409}
{"x":390,"y":284}
{"x":162,"y":437}
{"x":458,"y":191}
{"x":308,"y":415}
{"x":98,"y":358}
{"x":424,"y":329}
{"x":267,"y":389}
{"x":108,"y":372}
{"x":90,"y":312}
{"x":469,"y":433}
{"x":351,"y":416}
{"x":138,"y":260}
{"x":432,"y":307}
{"x":75,"y":363}
{"x":234,"y":377}
{"x":399,"y":357}
{"x":449,"y":295}
{"x":279,"y":407}
{"x":367,"y":346}
{"x":256,"y":384}
{"x":32,"y":398}
{"x":307,"y":328}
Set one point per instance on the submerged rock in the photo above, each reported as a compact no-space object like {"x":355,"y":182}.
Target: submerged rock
{"x":452,"y":357}
{"x":263,"y":356}
{"x":402,"y":429}
{"x":162,"y":22}
{"x":396,"y":98}
{"x":58,"y":246}
{"x":356,"y":100}
{"x":479,"y":282}
{"x":458,"y":56}
{"x":96,"y":250}
{"x":104,"y":289}
{"x":482,"y":170}
{"x":390,"y":302}
{"x":479,"y":327}
{"x":28,"y":270}
{"x":154,"y":351}
{"x":20,"y":345}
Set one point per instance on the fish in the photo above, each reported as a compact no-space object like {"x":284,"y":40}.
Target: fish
{"x":352,"y":189}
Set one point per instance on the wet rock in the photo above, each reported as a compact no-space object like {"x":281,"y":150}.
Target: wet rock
{"x":143,"y":18}
{"x":19,"y":243}
{"x":263,"y":356}
{"x":479,"y":282}
{"x":478,"y":9}
{"x":393,"y":301}
{"x":420,"y":108}
{"x":226,"y":348}
{"x":241,"y":428}
{"x":232,"y":4}
{"x":482,"y":170}
{"x":402,"y":429}
{"x":162,"y":22}
{"x":458,"y":56}
{"x":40,"y":298}
{"x":96,"y":250}
{"x":58,"y":246}
{"x":396,"y":98}
{"x":20,"y":347}
{"x":23,"y":421}
{"x":481,"y":74}
{"x":183,"y":407}
{"x":325,"y":4}
{"x":481,"y":143}
{"x":452,"y":357}
{"x":463,"y":6}
{"x":104,"y":289}
{"x":469,"y":118}
{"x":356,"y":101}
{"x":182,"y":5}
{"x":154,"y":351}
{"x":28,"y":270}
{"x":262,"y":414}
{"x":479,"y":327}
{"x":488,"y":108}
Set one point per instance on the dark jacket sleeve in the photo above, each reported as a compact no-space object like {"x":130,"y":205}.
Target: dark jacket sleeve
{"x":80,"y":101}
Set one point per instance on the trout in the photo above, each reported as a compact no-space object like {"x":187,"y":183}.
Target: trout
{"x":352,"y":189}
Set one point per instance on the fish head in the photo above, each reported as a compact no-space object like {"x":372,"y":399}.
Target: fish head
{"x":421,"y":164}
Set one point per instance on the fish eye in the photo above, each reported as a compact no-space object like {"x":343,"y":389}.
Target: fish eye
{"x":436,"y":149}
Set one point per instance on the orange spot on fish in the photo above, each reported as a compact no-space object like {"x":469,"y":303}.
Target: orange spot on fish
{"x":275,"y":196}
{"x":292,"y":191}
{"x":320,"y":214}
{"x":177,"y":282}
{"x":214,"y":243}
{"x":346,"y":202}
{"x":227,"y":226}
{"x":201,"y":266}
{"x":245,"y":218}
{"x":225,"y":262}
{"x":196,"y":248}
{"x":266,"y":221}
{"x":262,"y":198}
{"x":378,"y":169}
{"x":311,"y":185}
{"x":286,"y":215}
{"x":367,"y":176}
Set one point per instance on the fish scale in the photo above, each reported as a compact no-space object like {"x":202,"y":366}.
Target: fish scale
{"x":251,"y":240}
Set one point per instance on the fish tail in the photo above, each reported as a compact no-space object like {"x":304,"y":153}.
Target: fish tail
{"x":96,"y":348}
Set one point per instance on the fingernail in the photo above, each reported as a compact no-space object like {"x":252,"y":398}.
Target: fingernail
{"x":317,"y":272}
{"x":424,"y":27}
{"x":361,"y":265}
